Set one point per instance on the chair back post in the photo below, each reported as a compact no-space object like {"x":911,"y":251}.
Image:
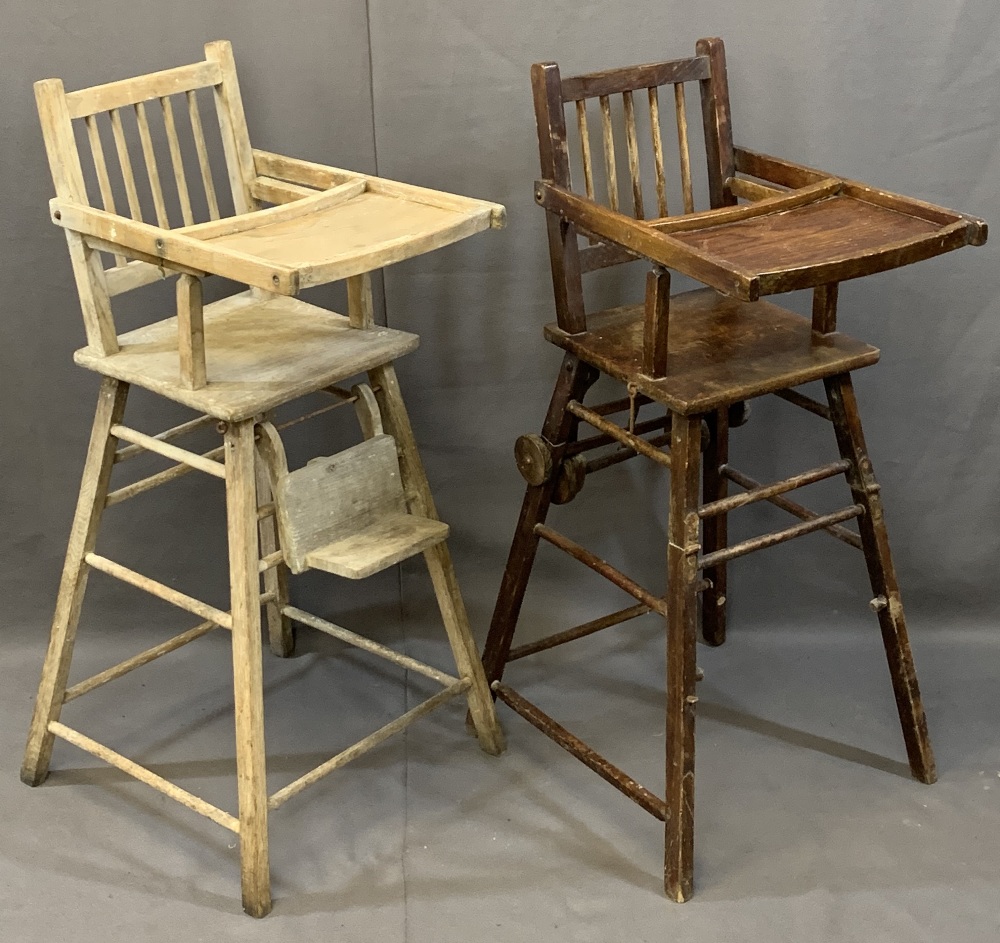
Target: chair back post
{"x":718,"y":123}
{"x":564,"y":254}
{"x":233,"y":125}
{"x":67,"y":176}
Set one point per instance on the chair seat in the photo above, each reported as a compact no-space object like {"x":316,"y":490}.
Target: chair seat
{"x":721,"y":350}
{"x":388,"y":540}
{"x":261,"y":351}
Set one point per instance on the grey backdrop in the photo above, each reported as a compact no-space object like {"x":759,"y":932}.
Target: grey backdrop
{"x":436,"y":92}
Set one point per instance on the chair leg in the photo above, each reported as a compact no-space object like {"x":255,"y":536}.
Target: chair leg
{"x":714,"y":487}
{"x":248,"y":685}
{"x":682,"y":619}
{"x":575,"y":378}
{"x":874,"y":538}
{"x":279,"y":627}
{"x":456,"y":622}
{"x":73,"y":584}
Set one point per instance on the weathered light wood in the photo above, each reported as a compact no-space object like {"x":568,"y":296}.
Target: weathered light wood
{"x":242,"y":333}
{"x":152,"y":171}
{"x":248,"y":686}
{"x":322,"y":177}
{"x":73,"y":583}
{"x":266,"y":349}
{"x":281,"y":635}
{"x":247,"y":222}
{"x":279,"y":798}
{"x":125,"y":165}
{"x":127,"y":92}
{"x":233,"y":126}
{"x":438,"y":559}
{"x":270,"y":190}
{"x":176,"y":162}
{"x":101,"y":169}
{"x":137,"y":661}
{"x":67,"y":175}
{"x":198,"y":132}
{"x":185,"y":456}
{"x":168,"y":435}
{"x":156,"y":588}
{"x":191,"y":332}
{"x":133,"y":769}
{"x":154,"y":481}
{"x":366,"y":644}
{"x":129,"y":275}
{"x":346,"y":514}
{"x":360,"y":306}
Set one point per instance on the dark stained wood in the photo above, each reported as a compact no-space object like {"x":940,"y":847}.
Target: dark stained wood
{"x":573,"y":381}
{"x":804,"y":402}
{"x":604,"y":255}
{"x":725,"y":505}
{"x":583,"y":752}
{"x":564,"y":254}
{"x":642,"y":239}
{"x":717,"y":122}
{"x":836,"y":230}
{"x":703,"y":359}
{"x":715,"y":530}
{"x":824,"y":311}
{"x":804,"y":514}
{"x":821,"y":522}
{"x":682,"y":615}
{"x":721,"y":350}
{"x":615,"y":81}
{"x":605,"y":569}
{"x":656,"y":323}
{"x":882,"y":573}
{"x":579,"y":631}
{"x":789,"y":174}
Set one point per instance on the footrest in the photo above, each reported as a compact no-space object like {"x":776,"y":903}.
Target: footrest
{"x":383,"y":543}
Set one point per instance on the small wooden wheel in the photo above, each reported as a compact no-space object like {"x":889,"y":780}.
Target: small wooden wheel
{"x":534,"y":459}
{"x":569,"y":479}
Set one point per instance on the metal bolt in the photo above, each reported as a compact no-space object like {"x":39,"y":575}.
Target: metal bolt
{"x":878,"y":604}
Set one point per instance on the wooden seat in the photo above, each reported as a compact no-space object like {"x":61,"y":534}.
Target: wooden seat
{"x":283,"y":225}
{"x":721,"y":350}
{"x":688,"y":364}
{"x":261,"y":352}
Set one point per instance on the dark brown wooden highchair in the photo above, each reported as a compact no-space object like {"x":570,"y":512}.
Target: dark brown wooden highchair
{"x":772,"y":227}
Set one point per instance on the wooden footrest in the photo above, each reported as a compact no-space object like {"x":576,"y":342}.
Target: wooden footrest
{"x":383,"y":543}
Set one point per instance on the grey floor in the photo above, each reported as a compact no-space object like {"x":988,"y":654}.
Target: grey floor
{"x":808,"y":825}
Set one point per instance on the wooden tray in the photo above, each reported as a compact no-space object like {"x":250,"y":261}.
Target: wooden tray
{"x":822,"y":230}
{"x":329,"y":224}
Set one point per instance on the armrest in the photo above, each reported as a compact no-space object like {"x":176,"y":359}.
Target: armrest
{"x":643,"y":239}
{"x":789,"y":174}
{"x":321,"y":177}
{"x":172,"y":248}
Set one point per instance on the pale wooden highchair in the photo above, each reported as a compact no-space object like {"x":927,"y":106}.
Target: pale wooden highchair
{"x":233,"y":362}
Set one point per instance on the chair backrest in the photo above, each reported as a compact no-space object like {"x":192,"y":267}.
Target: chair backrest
{"x":639,"y":88}
{"x":62,"y":112}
